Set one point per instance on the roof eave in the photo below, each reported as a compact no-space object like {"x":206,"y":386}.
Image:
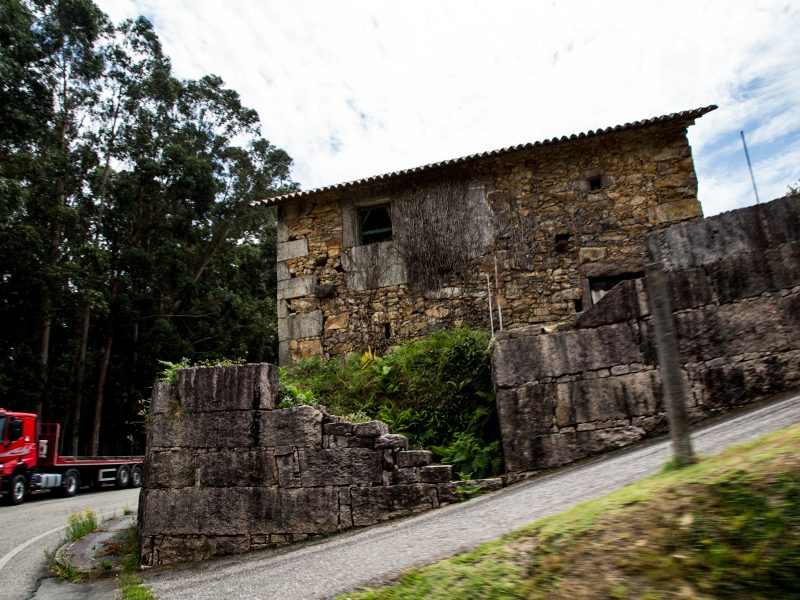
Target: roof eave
{"x":687,"y":115}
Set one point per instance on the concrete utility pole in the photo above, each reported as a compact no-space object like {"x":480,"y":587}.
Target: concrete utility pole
{"x":669,"y":364}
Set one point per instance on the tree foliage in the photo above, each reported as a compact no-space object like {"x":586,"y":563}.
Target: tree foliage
{"x":127,"y":233}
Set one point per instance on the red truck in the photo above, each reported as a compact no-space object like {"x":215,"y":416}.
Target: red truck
{"x":29,"y":461}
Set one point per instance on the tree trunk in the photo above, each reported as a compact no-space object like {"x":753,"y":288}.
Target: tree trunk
{"x":44,"y":359}
{"x":101,"y":384}
{"x":77,"y":396}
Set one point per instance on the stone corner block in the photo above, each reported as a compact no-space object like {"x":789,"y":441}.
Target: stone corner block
{"x":296,"y":327}
{"x":297,"y":287}
{"x":251,"y":386}
{"x":293,"y":249}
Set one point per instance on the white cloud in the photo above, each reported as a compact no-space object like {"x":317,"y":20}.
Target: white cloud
{"x":356,"y":88}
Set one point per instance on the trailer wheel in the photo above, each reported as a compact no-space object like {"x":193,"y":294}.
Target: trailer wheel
{"x":70,"y":483}
{"x":123,"y":476}
{"x":18,"y":489}
{"x":136,"y":476}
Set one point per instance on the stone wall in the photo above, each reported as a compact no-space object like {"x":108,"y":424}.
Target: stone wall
{"x":547,"y":235}
{"x":735,"y":287}
{"x":226,"y":472}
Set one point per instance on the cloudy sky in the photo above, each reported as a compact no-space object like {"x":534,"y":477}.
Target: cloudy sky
{"x":353,"y":88}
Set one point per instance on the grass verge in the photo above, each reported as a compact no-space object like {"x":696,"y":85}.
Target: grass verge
{"x":727,"y":527}
{"x":130,"y":583}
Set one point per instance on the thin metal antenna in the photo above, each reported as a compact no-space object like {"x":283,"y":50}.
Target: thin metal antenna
{"x":749,"y":166}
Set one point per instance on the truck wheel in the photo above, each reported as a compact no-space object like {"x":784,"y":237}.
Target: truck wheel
{"x":70,"y":484}
{"x":123,"y":476}
{"x":136,"y":476}
{"x":18,"y":489}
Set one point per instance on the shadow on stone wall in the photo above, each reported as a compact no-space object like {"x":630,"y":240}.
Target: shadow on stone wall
{"x":226,"y":472}
{"x":735,"y":287}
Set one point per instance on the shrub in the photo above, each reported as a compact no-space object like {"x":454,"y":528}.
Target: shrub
{"x":437,"y":391}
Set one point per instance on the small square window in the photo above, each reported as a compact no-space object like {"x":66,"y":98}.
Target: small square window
{"x":595,"y":183}
{"x":562,"y":242}
{"x":374,"y":223}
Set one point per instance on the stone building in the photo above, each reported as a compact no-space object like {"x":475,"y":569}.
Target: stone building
{"x":535,"y":232}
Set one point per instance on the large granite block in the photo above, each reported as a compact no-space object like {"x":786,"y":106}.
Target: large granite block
{"x":340,"y":466}
{"x":519,"y":358}
{"x":207,"y":430}
{"x":294,"y":511}
{"x":299,"y":426}
{"x":192,"y":511}
{"x":375,"y":504}
{"x":227,"y":388}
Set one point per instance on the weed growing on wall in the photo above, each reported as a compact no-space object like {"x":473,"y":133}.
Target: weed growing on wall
{"x":437,"y":391}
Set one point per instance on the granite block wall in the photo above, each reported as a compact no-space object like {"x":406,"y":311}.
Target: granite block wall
{"x":735,"y":287}
{"x":227,"y":472}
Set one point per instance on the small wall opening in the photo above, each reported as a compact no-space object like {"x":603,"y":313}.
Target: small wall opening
{"x":595,"y":182}
{"x":600,"y":286}
{"x":562,"y":242}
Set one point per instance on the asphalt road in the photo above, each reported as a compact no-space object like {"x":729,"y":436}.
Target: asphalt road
{"x":348,"y":561}
{"x":26,"y":531}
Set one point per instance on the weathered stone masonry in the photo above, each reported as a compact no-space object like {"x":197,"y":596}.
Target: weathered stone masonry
{"x":553,"y":219}
{"x":735,"y":283}
{"x":226,"y":472}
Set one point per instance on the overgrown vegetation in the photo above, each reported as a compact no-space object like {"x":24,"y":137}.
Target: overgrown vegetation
{"x":728,"y":527}
{"x":437,"y":391}
{"x":79,"y":525}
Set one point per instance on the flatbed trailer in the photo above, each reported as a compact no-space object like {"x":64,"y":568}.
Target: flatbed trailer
{"x":29,"y":461}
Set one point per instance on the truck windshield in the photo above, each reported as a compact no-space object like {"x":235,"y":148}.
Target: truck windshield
{"x":2,"y":428}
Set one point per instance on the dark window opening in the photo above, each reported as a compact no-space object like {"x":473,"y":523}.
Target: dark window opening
{"x":374,"y":224}
{"x":595,"y":183}
{"x":578,"y":305}
{"x":387,"y":330}
{"x":600,"y":286}
{"x":562,"y":242}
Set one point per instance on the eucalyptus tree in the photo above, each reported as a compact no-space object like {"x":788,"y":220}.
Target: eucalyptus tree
{"x":127,"y":232}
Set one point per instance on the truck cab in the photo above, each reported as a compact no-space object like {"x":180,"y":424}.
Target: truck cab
{"x":18,"y":451}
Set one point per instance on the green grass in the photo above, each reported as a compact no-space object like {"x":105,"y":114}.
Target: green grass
{"x":726,"y":527}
